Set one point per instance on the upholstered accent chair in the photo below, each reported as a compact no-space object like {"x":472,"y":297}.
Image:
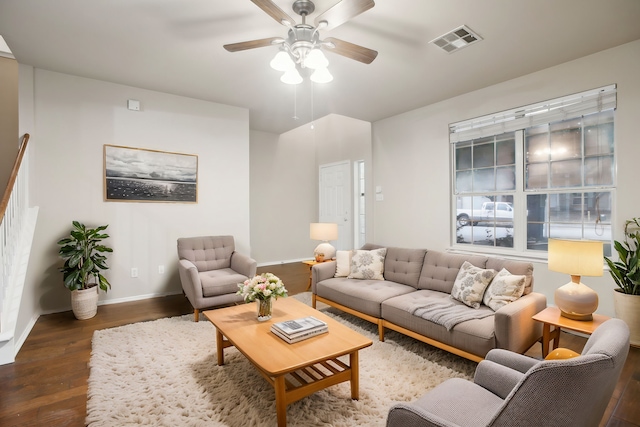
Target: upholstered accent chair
{"x":210,"y":270}
{"x":510,"y":389}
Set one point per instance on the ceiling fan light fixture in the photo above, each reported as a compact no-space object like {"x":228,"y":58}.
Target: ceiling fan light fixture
{"x":321,"y":75}
{"x":282,"y":62}
{"x":291,"y":77}
{"x":316,"y":59}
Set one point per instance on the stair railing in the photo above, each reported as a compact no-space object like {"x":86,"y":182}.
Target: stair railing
{"x":13,"y":209}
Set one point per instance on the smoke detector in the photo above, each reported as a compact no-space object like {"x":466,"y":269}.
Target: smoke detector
{"x":456,"y":39}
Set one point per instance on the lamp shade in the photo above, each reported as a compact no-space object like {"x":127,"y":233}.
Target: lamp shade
{"x":324,"y":231}
{"x":282,"y":62}
{"x":316,"y":59}
{"x":576,"y":257}
{"x":321,"y":75}
{"x":291,"y":77}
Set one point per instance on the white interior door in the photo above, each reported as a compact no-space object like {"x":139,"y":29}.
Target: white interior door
{"x":335,"y":201}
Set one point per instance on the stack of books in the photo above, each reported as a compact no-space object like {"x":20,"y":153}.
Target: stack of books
{"x":300,"y":329}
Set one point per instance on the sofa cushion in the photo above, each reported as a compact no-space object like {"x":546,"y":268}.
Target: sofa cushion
{"x":343,"y":263}
{"x":404,"y":265}
{"x":514,"y":267}
{"x":368,"y":264}
{"x":471,"y":283}
{"x":441,"y":269}
{"x":364,"y":296}
{"x":503,"y":289}
{"x":475,"y":336}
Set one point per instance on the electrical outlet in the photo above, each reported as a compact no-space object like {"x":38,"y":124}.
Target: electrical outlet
{"x":161,"y":269}
{"x":134,"y":272}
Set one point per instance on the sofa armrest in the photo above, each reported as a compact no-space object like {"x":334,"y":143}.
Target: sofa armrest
{"x":190,"y":280}
{"x":322,"y":271}
{"x":515,"y":329}
{"x":497,"y":378}
{"x":402,"y":415}
{"x":243,"y":264}
{"x":517,"y":361}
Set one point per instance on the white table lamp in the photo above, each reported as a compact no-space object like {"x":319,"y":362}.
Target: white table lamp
{"x":577,"y":258}
{"x":324,"y":231}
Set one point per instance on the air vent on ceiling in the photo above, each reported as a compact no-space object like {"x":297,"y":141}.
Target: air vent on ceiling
{"x":457,"y":39}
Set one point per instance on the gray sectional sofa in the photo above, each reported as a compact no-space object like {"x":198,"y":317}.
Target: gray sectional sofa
{"x":418,"y":277}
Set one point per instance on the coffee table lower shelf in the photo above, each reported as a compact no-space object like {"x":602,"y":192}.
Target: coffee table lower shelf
{"x":299,"y":384}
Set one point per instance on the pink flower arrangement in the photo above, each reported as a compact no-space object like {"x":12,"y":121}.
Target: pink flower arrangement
{"x":263,"y":286}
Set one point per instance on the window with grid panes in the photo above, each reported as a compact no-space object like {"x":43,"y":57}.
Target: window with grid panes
{"x":551,"y":175}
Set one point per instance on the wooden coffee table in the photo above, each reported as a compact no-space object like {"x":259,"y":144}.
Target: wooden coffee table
{"x":294,"y":370}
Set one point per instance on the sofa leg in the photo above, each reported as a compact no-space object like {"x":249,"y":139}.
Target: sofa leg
{"x":313,"y":300}
{"x":196,"y":315}
{"x":380,"y":330}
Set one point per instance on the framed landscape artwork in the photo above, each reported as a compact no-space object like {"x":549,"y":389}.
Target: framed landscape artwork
{"x":141,"y":175}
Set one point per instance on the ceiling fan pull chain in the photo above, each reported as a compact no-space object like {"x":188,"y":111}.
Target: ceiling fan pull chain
{"x":312,"y":124}
{"x":295,"y":102}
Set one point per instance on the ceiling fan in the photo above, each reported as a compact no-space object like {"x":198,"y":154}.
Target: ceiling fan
{"x":303,"y":45}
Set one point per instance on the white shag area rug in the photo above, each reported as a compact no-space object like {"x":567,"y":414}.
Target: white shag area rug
{"x":165,"y":373}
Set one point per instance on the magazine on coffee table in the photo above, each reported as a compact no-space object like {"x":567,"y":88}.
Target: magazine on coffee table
{"x":299,"y":329}
{"x":291,"y":328}
{"x":299,"y":337}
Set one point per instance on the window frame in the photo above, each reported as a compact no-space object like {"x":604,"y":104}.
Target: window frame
{"x":488,"y":126}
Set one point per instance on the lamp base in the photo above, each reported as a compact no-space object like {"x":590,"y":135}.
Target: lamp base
{"x":576,"y":301}
{"x":576,"y":316}
{"x":325,"y":248}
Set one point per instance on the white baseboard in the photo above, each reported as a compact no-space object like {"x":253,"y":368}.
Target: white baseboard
{"x":137,"y":298}
{"x":27,"y":331}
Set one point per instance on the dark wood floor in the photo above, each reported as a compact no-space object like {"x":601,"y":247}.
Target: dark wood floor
{"x":47,"y":385}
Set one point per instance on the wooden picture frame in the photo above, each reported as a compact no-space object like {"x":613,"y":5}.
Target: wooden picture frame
{"x":143,"y":175}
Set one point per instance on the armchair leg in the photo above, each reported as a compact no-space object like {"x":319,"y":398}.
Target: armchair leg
{"x":196,"y":315}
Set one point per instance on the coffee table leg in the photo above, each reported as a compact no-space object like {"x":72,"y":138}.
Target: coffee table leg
{"x":281,"y":401}
{"x":355,"y":375}
{"x":219,"y":347}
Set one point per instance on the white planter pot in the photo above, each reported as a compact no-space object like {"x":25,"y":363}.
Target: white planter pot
{"x":628,"y":309}
{"x":84,"y":303}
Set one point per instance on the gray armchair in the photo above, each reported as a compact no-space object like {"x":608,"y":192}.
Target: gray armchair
{"x":210,"y":270}
{"x":510,"y":389}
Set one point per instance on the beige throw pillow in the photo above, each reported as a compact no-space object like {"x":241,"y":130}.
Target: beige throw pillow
{"x":504,"y":288}
{"x":343,"y":263}
{"x":471,"y":283}
{"x":368,"y":264}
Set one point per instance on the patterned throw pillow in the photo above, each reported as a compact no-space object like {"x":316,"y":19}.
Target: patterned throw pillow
{"x":470,"y":284}
{"x":504,"y":288}
{"x":343,"y":263}
{"x":367,"y":264}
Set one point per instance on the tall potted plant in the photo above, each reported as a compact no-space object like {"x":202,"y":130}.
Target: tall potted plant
{"x":626,"y":274}
{"x":84,"y":259}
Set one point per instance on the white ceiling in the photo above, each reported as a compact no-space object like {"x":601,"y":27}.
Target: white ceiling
{"x":175,"y":46}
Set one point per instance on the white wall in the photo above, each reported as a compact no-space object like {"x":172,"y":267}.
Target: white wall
{"x":9,"y":138}
{"x":74,"y":118}
{"x":411,"y":155}
{"x":284,"y":182}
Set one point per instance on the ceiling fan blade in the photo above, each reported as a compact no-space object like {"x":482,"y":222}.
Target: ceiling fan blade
{"x":236,"y":47}
{"x":271,"y":9}
{"x":350,"y":50}
{"x":343,"y":11}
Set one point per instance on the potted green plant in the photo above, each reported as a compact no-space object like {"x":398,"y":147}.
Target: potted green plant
{"x":84,"y":258}
{"x":626,"y":273}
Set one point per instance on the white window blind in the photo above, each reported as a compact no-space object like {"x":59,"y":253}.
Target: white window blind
{"x":554,"y":110}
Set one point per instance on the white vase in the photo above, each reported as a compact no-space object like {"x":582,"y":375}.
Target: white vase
{"x":627,"y":308}
{"x":84,"y":303}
